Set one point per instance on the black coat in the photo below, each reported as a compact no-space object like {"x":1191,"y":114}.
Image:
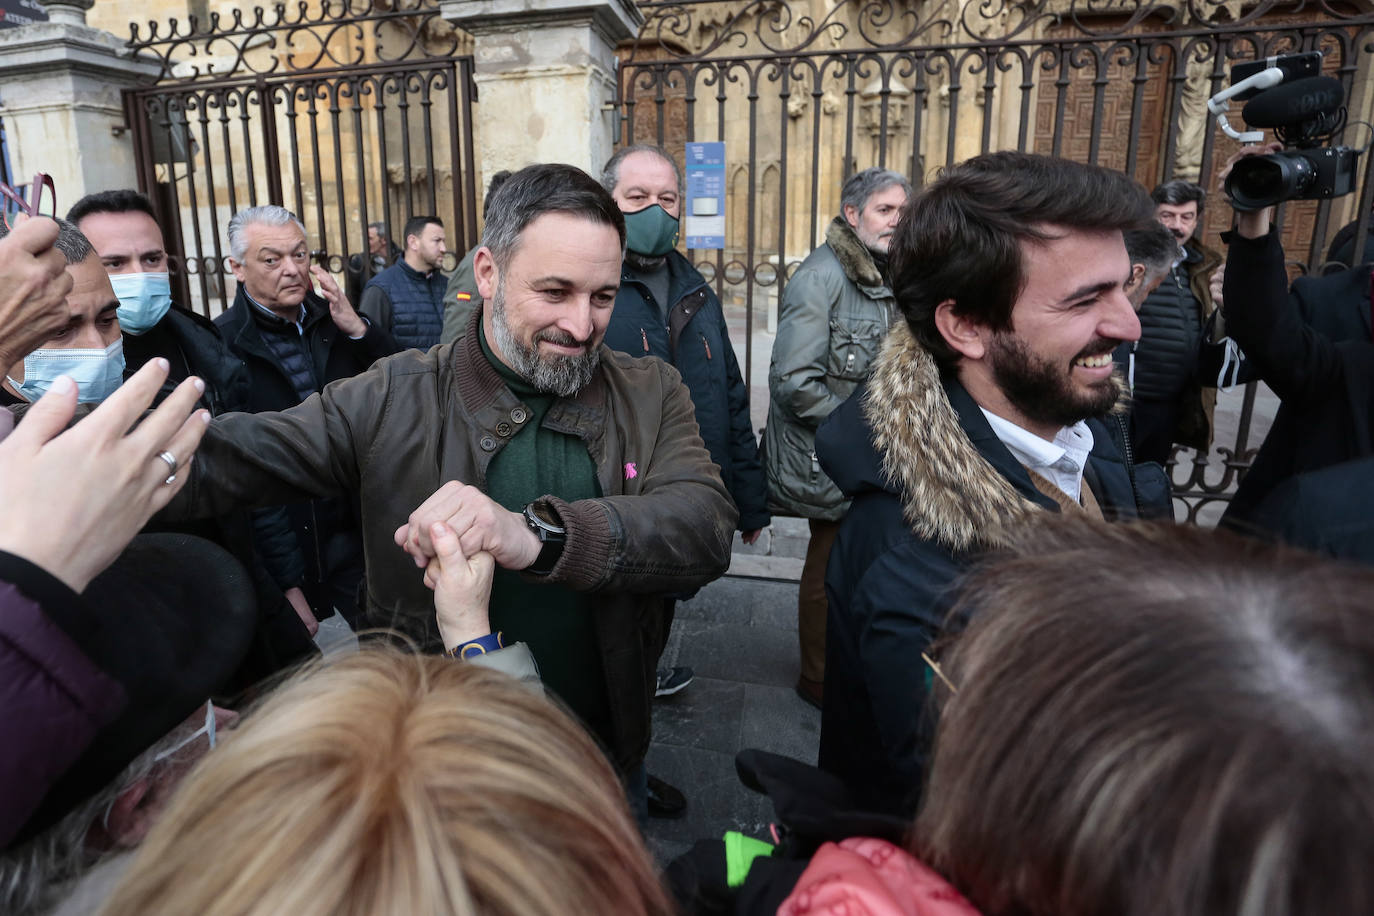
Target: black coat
{"x":1341,"y":253}
{"x":696,"y":342}
{"x":1325,"y":384}
{"x":1173,"y":320}
{"x":263,"y":543}
{"x":890,"y":588}
{"x":192,"y":345}
{"x":332,"y":353}
{"x":321,"y":550}
{"x":1326,"y":511}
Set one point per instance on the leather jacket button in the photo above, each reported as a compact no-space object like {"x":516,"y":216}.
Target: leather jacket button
{"x":488,"y":443}
{"x":519,"y":415}
{"x":503,"y":428}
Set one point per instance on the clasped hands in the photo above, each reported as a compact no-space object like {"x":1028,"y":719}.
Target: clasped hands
{"x":458,"y":536}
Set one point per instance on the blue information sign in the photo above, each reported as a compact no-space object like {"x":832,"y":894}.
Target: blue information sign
{"x":14,"y":13}
{"x":704,"y":208}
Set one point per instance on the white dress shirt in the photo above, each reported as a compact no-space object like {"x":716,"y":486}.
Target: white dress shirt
{"x":1061,"y":462}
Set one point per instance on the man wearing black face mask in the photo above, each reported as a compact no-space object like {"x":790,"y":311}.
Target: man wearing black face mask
{"x":666,"y":309}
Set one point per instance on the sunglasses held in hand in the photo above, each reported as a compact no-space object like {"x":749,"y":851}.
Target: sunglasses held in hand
{"x":15,"y":199}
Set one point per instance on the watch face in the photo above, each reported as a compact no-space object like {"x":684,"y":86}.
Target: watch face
{"x":551,"y":537}
{"x":543,"y":530}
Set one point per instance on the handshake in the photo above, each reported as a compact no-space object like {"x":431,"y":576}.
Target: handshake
{"x":458,"y":536}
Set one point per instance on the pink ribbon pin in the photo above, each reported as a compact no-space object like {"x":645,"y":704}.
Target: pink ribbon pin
{"x":630,"y":472}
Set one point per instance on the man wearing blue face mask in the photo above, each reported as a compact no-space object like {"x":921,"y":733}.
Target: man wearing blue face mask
{"x":665,"y":308}
{"x":121,"y":226}
{"x":88,"y":348}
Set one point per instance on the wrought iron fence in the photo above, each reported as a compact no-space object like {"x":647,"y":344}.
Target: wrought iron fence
{"x":806,"y":93}
{"x":349,"y":113}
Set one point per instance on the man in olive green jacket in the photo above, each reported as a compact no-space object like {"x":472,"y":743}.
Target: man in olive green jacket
{"x":449,"y":436}
{"x":834,"y":314}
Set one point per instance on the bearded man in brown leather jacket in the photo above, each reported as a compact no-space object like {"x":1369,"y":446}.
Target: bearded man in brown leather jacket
{"x":579,"y":469}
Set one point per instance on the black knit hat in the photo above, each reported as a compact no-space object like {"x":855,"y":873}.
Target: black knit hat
{"x":173,"y":617}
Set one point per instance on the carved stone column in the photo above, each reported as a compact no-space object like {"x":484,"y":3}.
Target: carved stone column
{"x":68,"y":12}
{"x":62,"y":104}
{"x":545,"y":77}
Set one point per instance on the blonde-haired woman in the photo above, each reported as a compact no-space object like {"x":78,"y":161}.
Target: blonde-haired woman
{"x":394,"y":783}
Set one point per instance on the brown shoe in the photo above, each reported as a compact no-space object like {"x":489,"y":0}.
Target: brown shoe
{"x":811,"y":691}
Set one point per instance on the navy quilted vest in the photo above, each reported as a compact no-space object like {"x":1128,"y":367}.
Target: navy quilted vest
{"x":417,"y":304}
{"x":1170,"y":332}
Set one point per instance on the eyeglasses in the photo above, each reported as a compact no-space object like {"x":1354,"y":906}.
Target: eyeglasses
{"x":935,"y":668}
{"x":14,"y":198}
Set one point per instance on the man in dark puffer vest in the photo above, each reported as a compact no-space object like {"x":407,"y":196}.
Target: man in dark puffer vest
{"x":1169,"y":402}
{"x":407,"y":299}
{"x":295,"y":342}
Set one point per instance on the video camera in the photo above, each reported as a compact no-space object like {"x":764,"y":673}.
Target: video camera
{"x":1304,"y":108}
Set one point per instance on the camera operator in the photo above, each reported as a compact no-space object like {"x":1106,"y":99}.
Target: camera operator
{"x":1319,"y":366}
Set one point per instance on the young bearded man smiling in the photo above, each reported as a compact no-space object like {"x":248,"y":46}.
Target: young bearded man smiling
{"x":982,"y":408}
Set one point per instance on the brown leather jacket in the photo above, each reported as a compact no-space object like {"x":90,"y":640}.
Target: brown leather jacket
{"x":417,"y":420}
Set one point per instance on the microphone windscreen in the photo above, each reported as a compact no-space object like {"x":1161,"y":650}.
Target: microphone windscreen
{"x":1295,"y":102}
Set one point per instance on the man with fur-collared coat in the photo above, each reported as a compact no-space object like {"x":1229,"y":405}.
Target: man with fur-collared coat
{"x":833,"y":316}
{"x":982,"y":409}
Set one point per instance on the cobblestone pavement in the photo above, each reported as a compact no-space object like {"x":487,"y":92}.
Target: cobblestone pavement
{"x":740,"y":635}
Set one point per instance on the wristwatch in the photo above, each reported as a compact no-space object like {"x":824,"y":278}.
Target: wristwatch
{"x":551,"y":539}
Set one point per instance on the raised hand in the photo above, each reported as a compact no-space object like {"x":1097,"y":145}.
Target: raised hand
{"x":346,"y":319}
{"x":33,"y":289}
{"x":462,"y":587}
{"x":74,"y":497}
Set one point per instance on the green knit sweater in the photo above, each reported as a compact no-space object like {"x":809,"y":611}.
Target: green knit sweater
{"x":555,"y":622}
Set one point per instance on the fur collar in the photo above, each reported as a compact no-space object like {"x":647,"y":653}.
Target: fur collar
{"x":950,"y":493}
{"x":853,"y":255}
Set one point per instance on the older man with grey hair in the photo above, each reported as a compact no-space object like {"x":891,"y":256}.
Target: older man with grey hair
{"x":295,"y":341}
{"x":833,"y":316}
{"x":665,"y":308}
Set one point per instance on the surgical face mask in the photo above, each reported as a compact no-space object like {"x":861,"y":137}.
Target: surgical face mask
{"x":208,"y":730}
{"x":651,"y":231}
{"x":97,"y":373}
{"x":143,"y":300}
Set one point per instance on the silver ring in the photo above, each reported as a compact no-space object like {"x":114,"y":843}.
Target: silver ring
{"x":171,"y":465}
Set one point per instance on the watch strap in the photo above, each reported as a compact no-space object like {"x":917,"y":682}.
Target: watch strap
{"x":479,"y":646}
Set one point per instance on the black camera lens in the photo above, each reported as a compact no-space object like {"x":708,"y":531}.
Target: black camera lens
{"x":1262,"y":181}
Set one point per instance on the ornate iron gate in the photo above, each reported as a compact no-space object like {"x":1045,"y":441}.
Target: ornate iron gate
{"x":806,"y":92}
{"x":350,"y":113}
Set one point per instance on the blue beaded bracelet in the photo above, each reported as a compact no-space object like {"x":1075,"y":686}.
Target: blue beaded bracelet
{"x":479,"y":646}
